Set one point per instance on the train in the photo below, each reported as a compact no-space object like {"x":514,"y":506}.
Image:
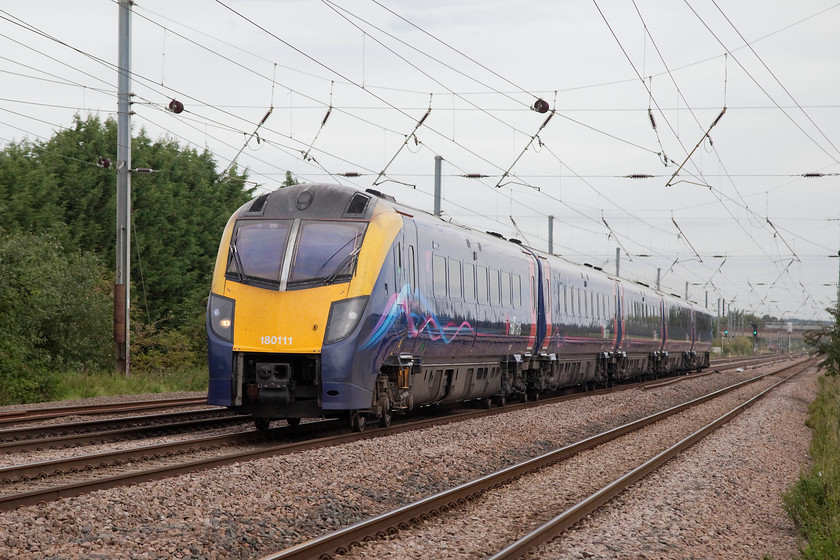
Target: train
{"x":334,"y":301}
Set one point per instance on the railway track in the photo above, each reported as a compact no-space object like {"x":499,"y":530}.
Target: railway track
{"x":456,"y":512}
{"x":748,"y":360}
{"x":51,"y":479}
{"x":73,"y":434}
{"x":35,"y":414}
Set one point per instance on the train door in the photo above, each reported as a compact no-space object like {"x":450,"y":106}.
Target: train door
{"x":693,"y":328}
{"x":534,"y":283}
{"x":619,"y":316}
{"x":399,"y":263}
{"x":409,"y":238}
{"x":547,"y":305}
{"x":408,"y":277}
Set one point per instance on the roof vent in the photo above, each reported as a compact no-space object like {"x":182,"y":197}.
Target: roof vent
{"x":258,"y":204}
{"x":358,"y":204}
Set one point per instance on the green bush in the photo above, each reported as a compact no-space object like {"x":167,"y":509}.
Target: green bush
{"x":156,"y":350}
{"x":55,"y":314}
{"x":740,"y":346}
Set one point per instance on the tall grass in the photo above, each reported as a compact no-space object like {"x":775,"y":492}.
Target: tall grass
{"x":82,"y":385}
{"x":813,"y":503}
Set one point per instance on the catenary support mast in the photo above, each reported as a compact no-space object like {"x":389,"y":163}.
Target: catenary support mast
{"x":122,"y":292}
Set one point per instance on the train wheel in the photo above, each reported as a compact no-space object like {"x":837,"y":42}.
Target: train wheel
{"x":385,"y":418}
{"x":294,"y":422}
{"x":487,"y":402}
{"x":358,"y":422}
{"x":262,"y":423}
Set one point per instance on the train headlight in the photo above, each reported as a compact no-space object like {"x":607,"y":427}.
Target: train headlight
{"x":345,"y":315}
{"x":220,"y":316}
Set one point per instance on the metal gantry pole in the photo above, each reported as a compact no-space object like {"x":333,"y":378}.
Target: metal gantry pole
{"x":551,"y":235}
{"x":617,"y":261}
{"x":438,"y":162}
{"x":122,"y":282}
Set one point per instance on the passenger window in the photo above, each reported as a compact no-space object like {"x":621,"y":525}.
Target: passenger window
{"x":469,"y":282}
{"x":565,"y":301}
{"x":481,"y":283}
{"x":412,"y":274}
{"x":517,"y":290}
{"x":533,"y":294}
{"x":398,"y":272}
{"x":494,"y":287}
{"x":454,"y":279}
{"x":547,"y":291}
{"x":506,"y":288}
{"x":439,"y":272}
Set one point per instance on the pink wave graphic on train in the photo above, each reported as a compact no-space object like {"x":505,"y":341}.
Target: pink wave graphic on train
{"x":397,"y":309}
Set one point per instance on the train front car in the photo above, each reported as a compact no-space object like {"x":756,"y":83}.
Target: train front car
{"x":295,"y":274}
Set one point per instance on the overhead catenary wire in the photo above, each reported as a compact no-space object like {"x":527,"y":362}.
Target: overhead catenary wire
{"x":777,"y":80}
{"x":706,"y":135}
{"x":760,"y":87}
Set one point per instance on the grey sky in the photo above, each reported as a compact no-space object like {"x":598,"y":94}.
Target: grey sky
{"x":739,"y":222}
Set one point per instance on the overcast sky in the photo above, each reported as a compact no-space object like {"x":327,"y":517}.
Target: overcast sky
{"x":714,"y":199}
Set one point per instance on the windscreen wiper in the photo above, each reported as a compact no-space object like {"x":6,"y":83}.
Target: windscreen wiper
{"x":237,"y":261}
{"x":342,"y":265}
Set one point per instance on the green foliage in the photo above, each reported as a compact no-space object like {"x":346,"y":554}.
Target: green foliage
{"x":178,"y":211}
{"x":84,"y":385}
{"x":290,"y":180}
{"x":156,"y":350}
{"x":59,"y":207}
{"x":813,"y":503}
{"x":55,"y":313}
{"x":826,"y":342}
{"x":739,"y":346}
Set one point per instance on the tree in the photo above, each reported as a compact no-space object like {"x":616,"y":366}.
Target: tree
{"x":178,"y":211}
{"x":290,"y":180}
{"x":55,"y":314}
{"x":826,"y":342}
{"x":56,"y":189}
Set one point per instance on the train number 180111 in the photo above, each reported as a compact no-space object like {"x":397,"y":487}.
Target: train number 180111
{"x":276,"y":340}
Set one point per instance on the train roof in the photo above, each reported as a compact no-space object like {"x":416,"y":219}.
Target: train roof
{"x":353,"y":202}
